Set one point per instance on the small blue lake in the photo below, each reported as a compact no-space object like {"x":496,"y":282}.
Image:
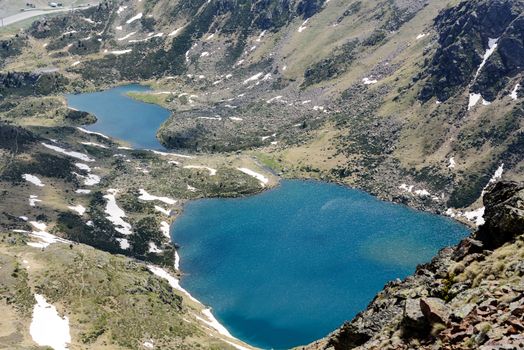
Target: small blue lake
{"x":286,"y":267}
{"x":121,"y":117}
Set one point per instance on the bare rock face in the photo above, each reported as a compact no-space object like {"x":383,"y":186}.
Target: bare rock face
{"x":414,"y":321}
{"x":434,"y":310}
{"x":464,"y":35}
{"x":504,"y":214}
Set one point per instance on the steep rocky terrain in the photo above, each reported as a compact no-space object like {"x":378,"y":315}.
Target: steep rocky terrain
{"x":468,"y":297}
{"x":415,"y":101}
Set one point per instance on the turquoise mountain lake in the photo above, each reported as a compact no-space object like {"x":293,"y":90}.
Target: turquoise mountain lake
{"x":288,"y":266}
{"x":285,"y":267}
{"x":122,"y":117}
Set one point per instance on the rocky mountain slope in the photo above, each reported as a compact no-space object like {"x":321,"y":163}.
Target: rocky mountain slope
{"x":415,"y":101}
{"x":468,"y":297}
{"x":425,"y":94}
{"x":112,"y":302}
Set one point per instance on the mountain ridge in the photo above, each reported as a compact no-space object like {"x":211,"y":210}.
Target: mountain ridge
{"x":417,"y":102}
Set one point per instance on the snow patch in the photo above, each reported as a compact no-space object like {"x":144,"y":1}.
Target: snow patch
{"x":263,"y":180}
{"x":94,"y":144}
{"x":253,"y":78}
{"x":151,"y":36}
{"x":406,"y":188}
{"x":69,"y":32}
{"x":121,"y":9}
{"x":451,"y":163}
{"x":83,"y":166}
{"x":211,"y":321}
{"x":73,"y":154}
{"x":496,"y":176}
{"x":473,"y":99}
{"x":41,"y":226}
{"x":514,"y":92}
{"x":492,"y":46}
{"x":115,"y":214}
{"x":166,"y":212}
{"x":164,"y":228}
{"x":47,"y":327}
{"x":264,"y":138}
{"x":89,"y":180}
{"x":261,"y":36}
{"x":369,"y":81}
{"x":134,"y":18}
{"x":126,"y":36}
{"x":80,"y":209}
{"x":44,"y":238}
{"x":33,"y":200}
{"x":211,"y":118}
{"x":303,"y":26}
{"x":148,"y":197}
{"x":92,"y":132}
{"x":153,"y":248}
{"x":173,"y":282}
{"x":120,"y":52}
{"x":177,"y":261}
{"x":276,"y":98}
{"x":422,"y":193}
{"x":175,"y":32}
{"x":171,"y":154}
{"x":124,"y":243}
{"x":476,"y":216}
{"x":33,"y":179}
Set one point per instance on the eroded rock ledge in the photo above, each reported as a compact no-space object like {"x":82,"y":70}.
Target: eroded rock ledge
{"x":470,"y":296}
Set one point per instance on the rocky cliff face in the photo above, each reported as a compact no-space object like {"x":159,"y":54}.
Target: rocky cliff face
{"x":469,"y":297}
{"x":466,"y":33}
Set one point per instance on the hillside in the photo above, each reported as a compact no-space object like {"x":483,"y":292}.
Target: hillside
{"x":111,"y":303}
{"x":414,"y":101}
{"x":422,"y":93}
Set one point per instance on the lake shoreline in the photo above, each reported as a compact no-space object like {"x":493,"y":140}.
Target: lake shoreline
{"x":266,"y":189}
{"x":384,"y":195}
{"x":176,"y":221}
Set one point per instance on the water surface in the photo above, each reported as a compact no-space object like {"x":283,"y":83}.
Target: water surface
{"x":122,"y":117}
{"x":286,"y":267}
